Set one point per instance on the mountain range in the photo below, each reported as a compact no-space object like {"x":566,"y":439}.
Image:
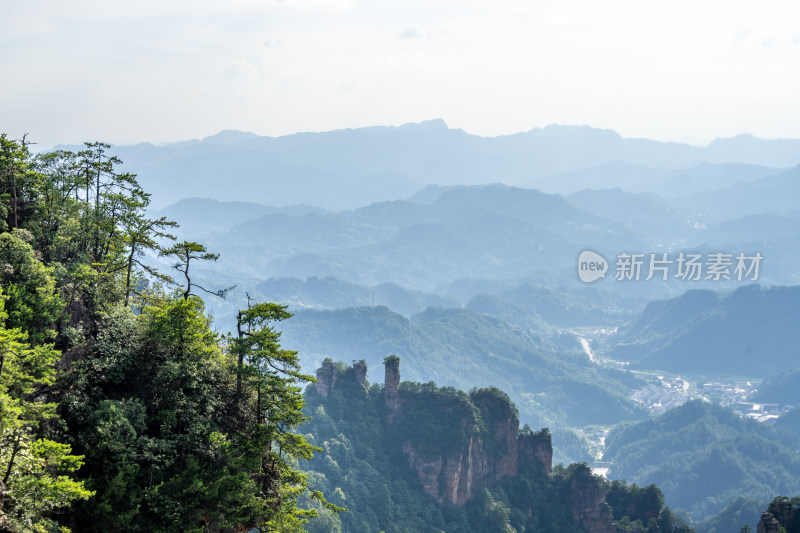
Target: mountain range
{"x":344,"y":169}
{"x":461,"y":348}
{"x":749,"y":332}
{"x":703,"y":455}
{"x":458,"y":253}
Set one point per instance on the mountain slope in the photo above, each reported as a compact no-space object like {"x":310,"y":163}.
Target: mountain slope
{"x":467,"y":232}
{"x":782,"y":388}
{"x":407,"y":456}
{"x":772,"y":194}
{"x":457,"y":347}
{"x":703,"y":455}
{"x":747,"y":332}
{"x":643,"y":213}
{"x":331,"y":293}
{"x":346,"y":168}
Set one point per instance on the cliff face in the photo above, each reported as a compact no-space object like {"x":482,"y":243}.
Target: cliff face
{"x":490,"y":448}
{"x":391,"y":382}
{"x":782,"y":513}
{"x":536,"y":448}
{"x":360,"y":369}
{"x":589,"y":504}
{"x":456,"y":476}
{"x":450,"y":478}
{"x":326,"y":378}
{"x":504,"y":437}
{"x":768,"y":523}
{"x":459,"y":444}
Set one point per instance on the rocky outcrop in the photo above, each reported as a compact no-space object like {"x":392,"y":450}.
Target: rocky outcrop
{"x":489,"y":450}
{"x":589,"y":508}
{"x":326,"y":378}
{"x":503,"y":436}
{"x":458,"y":443}
{"x":537,"y":448}
{"x":768,"y":523}
{"x":360,"y":369}
{"x":391,"y":382}
{"x":782,"y":513}
{"x":452,"y":478}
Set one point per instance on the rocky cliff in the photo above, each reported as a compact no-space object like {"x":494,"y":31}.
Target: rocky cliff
{"x":457,"y":444}
{"x":326,"y":378}
{"x":783,"y":513}
{"x":768,"y":523}
{"x":391,"y":383}
{"x":589,"y":507}
{"x":486,"y":446}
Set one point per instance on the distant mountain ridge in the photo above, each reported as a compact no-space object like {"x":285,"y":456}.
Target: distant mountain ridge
{"x":702,"y":455}
{"x":465,"y":232}
{"x":770,"y":194}
{"x":750,"y":332}
{"x":408,"y":456}
{"x":459,"y":347}
{"x":346,"y":168}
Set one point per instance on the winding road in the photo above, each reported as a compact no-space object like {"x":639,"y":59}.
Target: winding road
{"x":587,"y":349}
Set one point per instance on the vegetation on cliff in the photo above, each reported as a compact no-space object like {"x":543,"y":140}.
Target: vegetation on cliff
{"x":398,"y":470}
{"x":703,"y":456}
{"x":121,"y":409}
{"x":747,"y":332}
{"x":463,"y":349}
{"x":783,"y":512}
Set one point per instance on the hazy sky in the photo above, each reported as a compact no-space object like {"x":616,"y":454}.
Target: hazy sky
{"x":172,"y":69}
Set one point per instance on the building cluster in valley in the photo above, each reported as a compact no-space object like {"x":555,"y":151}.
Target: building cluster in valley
{"x":727,"y":393}
{"x":671,"y":392}
{"x":737,"y":396}
{"x":666,"y":394}
{"x":762,"y":412}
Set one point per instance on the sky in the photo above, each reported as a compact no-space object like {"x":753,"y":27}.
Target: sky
{"x":168,"y":70}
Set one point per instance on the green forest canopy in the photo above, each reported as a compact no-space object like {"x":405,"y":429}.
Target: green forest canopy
{"x":120,"y":408}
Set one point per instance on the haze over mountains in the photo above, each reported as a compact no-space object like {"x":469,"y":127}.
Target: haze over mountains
{"x":748,"y":332}
{"x":344,"y":169}
{"x":477,"y":240}
{"x":458,"y":253}
{"x":475,"y":285}
{"x":706,"y":457}
{"x":440,"y":237}
{"x":441,"y":241}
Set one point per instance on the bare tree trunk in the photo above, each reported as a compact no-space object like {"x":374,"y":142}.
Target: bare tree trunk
{"x":240,"y":361}
{"x":14,"y":192}
{"x":11,"y":461}
{"x":128,"y":275}
{"x":3,"y":522}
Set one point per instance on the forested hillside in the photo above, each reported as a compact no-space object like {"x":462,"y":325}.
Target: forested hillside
{"x":703,"y":456}
{"x":782,"y":388}
{"x":748,"y":332}
{"x":412,"y":457}
{"x":120,"y":408}
{"x":124,"y":408}
{"x":458,"y":347}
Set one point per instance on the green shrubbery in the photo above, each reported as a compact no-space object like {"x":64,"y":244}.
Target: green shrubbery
{"x":364,"y":467}
{"x":153,"y":421}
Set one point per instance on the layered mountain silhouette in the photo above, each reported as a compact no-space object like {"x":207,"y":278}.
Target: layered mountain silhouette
{"x":749,"y":332}
{"x":344,"y":169}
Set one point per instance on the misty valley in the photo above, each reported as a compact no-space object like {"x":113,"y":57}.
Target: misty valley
{"x":401,"y":329}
